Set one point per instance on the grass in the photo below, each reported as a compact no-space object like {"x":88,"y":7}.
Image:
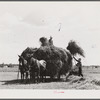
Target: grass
{"x":9,"y":69}
{"x":91,"y":80}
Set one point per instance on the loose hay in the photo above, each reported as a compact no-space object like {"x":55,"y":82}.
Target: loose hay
{"x":75,"y":49}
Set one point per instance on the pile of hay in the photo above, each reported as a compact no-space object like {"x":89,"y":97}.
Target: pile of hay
{"x":75,"y":49}
{"x":52,"y":55}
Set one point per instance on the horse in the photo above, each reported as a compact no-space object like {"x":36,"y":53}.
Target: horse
{"x":37,"y":68}
{"x":23,"y":67}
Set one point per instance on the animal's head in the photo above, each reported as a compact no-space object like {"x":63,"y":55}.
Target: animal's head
{"x":20,"y":58}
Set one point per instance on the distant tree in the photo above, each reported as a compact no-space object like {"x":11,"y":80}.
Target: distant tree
{"x":10,"y":65}
{"x":2,"y":65}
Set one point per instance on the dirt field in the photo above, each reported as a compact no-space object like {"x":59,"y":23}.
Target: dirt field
{"x":91,"y":80}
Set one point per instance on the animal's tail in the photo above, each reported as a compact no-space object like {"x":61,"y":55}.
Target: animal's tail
{"x":18,"y":74}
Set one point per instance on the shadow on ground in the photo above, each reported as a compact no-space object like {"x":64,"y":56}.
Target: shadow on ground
{"x":71,"y":79}
{"x":19,"y":81}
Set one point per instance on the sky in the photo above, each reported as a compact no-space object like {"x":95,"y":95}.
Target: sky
{"x":23,"y":23}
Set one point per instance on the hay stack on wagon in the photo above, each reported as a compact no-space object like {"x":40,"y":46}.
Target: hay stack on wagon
{"x":52,"y":55}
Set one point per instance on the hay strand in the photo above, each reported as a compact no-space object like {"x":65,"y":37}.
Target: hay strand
{"x":74,"y":48}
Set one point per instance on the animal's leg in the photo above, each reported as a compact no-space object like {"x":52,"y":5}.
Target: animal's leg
{"x":38,"y":74}
{"x":30,"y":76}
{"x":42,"y":77}
{"x":21,"y":76}
{"x":45,"y":75}
{"x":37,"y":78}
{"x":41,"y":72}
{"x":33,"y":77}
{"x":51,"y":78}
{"x":59,"y":75}
{"x":26,"y":76}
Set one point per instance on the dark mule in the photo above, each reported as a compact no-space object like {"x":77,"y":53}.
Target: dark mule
{"x":23,"y":67}
{"x":21,"y":70}
{"x":37,"y":68}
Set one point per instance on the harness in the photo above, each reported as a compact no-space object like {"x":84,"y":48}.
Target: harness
{"x":37,"y":64}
